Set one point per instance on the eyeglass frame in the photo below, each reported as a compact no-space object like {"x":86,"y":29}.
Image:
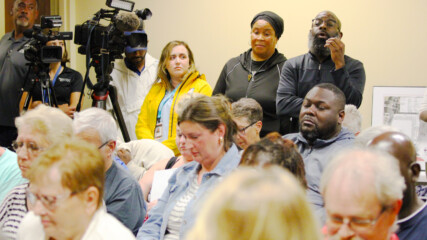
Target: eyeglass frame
{"x":243,"y":130}
{"x":350,"y":221}
{"x":51,"y":205}
{"x":15,"y":145}
{"x":105,"y":143}
{"x":335,"y":23}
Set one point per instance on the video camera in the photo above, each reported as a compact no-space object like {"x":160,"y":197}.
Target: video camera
{"x":36,"y":50}
{"x":103,"y":44}
{"x":96,"y":39}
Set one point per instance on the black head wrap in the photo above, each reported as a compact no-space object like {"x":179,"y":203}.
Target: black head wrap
{"x":275,"y":21}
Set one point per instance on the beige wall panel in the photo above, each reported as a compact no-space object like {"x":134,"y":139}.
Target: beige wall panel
{"x":386,"y":35}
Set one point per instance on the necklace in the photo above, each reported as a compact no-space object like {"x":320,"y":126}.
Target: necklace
{"x":251,"y":74}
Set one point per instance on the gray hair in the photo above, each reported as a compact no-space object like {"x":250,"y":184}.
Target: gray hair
{"x":52,"y":123}
{"x":360,"y":163}
{"x":97,"y":119}
{"x":247,"y":108}
{"x":353,"y":119}
{"x":367,"y":135}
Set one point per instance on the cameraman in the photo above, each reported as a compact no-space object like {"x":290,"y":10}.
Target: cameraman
{"x":133,"y":78}
{"x":13,"y":68}
{"x":67,"y":84}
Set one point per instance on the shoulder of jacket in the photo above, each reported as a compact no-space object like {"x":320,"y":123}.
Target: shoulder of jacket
{"x":151,"y":61}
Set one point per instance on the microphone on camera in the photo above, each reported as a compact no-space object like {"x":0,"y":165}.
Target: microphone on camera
{"x":127,"y":22}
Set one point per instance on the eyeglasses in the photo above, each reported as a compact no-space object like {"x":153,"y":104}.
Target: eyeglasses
{"x":49,"y":202}
{"x":243,"y":130}
{"x":31,"y":146}
{"x":329,"y":22}
{"x":357,"y":224}
{"x":105,"y":143}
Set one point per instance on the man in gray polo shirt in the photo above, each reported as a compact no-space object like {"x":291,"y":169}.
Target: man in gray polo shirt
{"x":13,"y":67}
{"x":320,"y":136}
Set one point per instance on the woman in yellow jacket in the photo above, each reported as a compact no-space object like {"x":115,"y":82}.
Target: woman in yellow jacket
{"x":176,"y":76}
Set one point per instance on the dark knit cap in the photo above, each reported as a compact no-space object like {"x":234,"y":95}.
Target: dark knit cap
{"x":275,"y":21}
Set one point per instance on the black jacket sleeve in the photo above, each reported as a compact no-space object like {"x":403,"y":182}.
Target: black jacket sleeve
{"x":221,"y":85}
{"x":287,"y":102}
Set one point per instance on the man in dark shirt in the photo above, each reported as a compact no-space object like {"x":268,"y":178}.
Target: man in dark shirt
{"x":13,"y":68}
{"x":413,"y":214}
{"x":325,"y":62}
{"x":122,"y":193}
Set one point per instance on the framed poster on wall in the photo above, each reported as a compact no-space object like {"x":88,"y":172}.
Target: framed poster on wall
{"x":398,"y":107}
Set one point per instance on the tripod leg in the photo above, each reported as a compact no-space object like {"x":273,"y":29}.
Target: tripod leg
{"x":118,"y":113}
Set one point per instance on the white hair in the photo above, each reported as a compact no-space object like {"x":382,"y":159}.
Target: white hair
{"x":51,"y":123}
{"x":367,"y":135}
{"x":361,"y":163}
{"x":98,"y":119}
{"x":353,"y":119}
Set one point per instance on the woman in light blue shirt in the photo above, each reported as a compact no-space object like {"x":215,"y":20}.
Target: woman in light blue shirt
{"x":208,"y":130}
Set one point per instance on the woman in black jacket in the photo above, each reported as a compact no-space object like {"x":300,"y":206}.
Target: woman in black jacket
{"x":256,"y":72}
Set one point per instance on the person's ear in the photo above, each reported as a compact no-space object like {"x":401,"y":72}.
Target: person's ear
{"x":394,"y":208}
{"x":91,"y":198}
{"x":258,"y":126}
{"x":341,"y":115}
{"x":112,"y":145}
{"x":221,"y":130}
{"x":415,"y":170}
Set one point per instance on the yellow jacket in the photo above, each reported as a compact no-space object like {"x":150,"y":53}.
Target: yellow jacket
{"x":147,"y":117}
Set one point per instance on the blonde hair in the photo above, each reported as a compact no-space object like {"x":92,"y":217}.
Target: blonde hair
{"x":256,"y":204}
{"x":51,"y":123}
{"x":162,"y":73}
{"x":80,"y":164}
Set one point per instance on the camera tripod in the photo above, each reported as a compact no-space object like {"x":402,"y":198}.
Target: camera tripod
{"x":48,"y":93}
{"x":102,"y":90}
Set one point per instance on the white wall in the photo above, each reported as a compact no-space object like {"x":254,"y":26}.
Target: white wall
{"x":388,"y":36}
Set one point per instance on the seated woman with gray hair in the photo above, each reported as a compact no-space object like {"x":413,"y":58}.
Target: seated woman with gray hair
{"x":67,"y":184}
{"x":247,"y":114}
{"x":38,"y":129}
{"x":208,"y":131}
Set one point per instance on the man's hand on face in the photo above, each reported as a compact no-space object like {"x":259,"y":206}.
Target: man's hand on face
{"x":337,"y":48}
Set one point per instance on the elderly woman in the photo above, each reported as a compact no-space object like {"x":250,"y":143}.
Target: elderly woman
{"x":67,"y":183}
{"x":208,"y":130}
{"x":256,"y":72}
{"x":247,"y":114}
{"x":256,"y":204}
{"x":177,"y":75}
{"x":274,"y":150}
{"x":67,"y":84}
{"x":38,"y":129}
